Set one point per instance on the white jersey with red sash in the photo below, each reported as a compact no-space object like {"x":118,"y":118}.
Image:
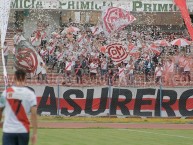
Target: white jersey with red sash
{"x":121,"y":72}
{"x":43,"y":35}
{"x":68,"y":66}
{"x":43,"y":52}
{"x":5,"y":50}
{"x":169,"y":67}
{"x":17,"y":39}
{"x":60,"y":56}
{"x":17,"y":102}
{"x":35,"y":41}
{"x":51,"y":49}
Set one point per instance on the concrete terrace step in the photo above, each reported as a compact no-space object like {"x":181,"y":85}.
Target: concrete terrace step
{"x":9,"y":63}
{"x":8,"y":71}
{"x":7,"y":67}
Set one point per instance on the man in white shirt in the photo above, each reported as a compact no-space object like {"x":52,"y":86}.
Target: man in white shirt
{"x":68,"y":69}
{"x":121,"y":73}
{"x":103,"y":68}
{"x":158,"y":73}
{"x":17,"y":38}
{"x":187,"y":69}
{"x":44,"y":72}
{"x":130,"y":68}
{"x":60,"y":60}
{"x":93,"y":69}
{"x":169,"y":72}
{"x":6,"y":52}
{"x":44,"y":54}
{"x":18,"y":101}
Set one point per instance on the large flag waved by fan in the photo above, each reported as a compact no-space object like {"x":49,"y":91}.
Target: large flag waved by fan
{"x":4,"y":17}
{"x":185,"y":15}
{"x":117,"y":52}
{"x":27,"y":58}
{"x":115,"y":19}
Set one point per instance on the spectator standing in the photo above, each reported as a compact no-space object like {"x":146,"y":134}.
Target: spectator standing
{"x":85,"y":66}
{"x":169,"y":72}
{"x":43,"y":72}
{"x":158,"y":73}
{"x":187,"y":69}
{"x":104,"y":66}
{"x":110,"y":77}
{"x":43,"y":37}
{"x":121,"y":73}
{"x":93,"y":69}
{"x":181,"y":63}
{"x":130,"y":69}
{"x":148,"y":68}
{"x":44,"y":54}
{"x":17,"y":38}
{"x":78,"y":72}
{"x":6,"y":52}
{"x":68,"y":69}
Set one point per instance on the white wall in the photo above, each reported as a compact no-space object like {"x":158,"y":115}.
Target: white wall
{"x":30,"y":22}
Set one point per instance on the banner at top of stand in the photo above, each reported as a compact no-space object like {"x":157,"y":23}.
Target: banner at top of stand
{"x":129,"y":5}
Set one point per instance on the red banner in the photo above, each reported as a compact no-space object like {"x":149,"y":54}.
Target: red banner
{"x":185,"y":14}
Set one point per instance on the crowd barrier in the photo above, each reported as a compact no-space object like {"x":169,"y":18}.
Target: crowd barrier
{"x":114,"y":101}
{"x":138,"y":81}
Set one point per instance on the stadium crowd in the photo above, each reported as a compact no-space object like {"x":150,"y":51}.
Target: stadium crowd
{"x":78,"y":52}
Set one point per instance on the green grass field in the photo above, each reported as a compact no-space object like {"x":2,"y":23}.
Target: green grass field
{"x":99,"y":136}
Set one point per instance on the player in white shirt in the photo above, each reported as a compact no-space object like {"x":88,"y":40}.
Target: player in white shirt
{"x":17,"y":102}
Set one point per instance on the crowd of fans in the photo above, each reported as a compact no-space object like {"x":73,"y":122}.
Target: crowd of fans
{"x":78,"y":53}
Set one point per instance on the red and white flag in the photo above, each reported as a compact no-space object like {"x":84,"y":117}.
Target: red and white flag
{"x":36,"y":40}
{"x":60,"y":56}
{"x":27,"y":58}
{"x":115,"y":19}
{"x":134,"y":51}
{"x":117,"y":52}
{"x":161,"y":43}
{"x":96,"y":30}
{"x":180,"y":42}
{"x":152,"y":49}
